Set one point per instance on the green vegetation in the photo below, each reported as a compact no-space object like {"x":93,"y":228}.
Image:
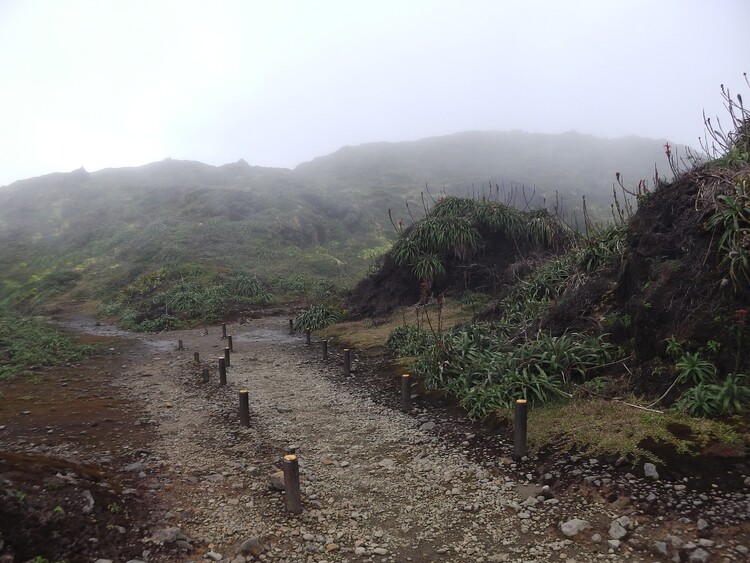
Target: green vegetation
{"x":317,"y":317}
{"x":28,"y":342}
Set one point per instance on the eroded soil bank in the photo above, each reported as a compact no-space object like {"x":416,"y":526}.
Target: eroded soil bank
{"x":130,"y":456}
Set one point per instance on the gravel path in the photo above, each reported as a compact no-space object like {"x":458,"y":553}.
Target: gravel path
{"x":377,"y":484}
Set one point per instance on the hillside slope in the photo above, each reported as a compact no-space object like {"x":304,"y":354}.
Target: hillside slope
{"x":97,"y":235}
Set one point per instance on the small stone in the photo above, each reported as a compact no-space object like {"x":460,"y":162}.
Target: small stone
{"x":276,"y":480}
{"x":660,"y":548}
{"x":380,"y":551}
{"x":699,"y":556}
{"x":617,"y":531}
{"x":613,"y":544}
{"x":387,"y":463}
{"x":649,"y":470}
{"x":344,"y":464}
{"x":427,"y":426}
{"x":359,"y":550}
{"x":252,"y":546}
{"x":137,"y":466}
{"x":213,"y":556}
{"x":574,"y":526}
{"x":331,"y":547}
{"x":524,"y":515}
{"x":596,"y":538}
{"x":701,"y":524}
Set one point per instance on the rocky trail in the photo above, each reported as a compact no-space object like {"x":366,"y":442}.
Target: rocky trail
{"x":377,"y":484}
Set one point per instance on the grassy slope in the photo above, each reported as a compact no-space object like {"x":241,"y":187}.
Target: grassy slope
{"x":89,"y":236}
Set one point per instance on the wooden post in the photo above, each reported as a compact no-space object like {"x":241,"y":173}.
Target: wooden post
{"x":223,"y":330}
{"x":222,"y":372}
{"x":307,"y":336}
{"x":179,"y":345}
{"x":229,"y":341}
{"x":226,"y":358}
{"x":197,"y":358}
{"x":325,"y":349}
{"x":291,"y":326}
{"x":244,"y":408}
{"x":519,"y":429}
{"x":347,"y":362}
{"x":406,"y":392}
{"x":291,"y":484}
{"x":205,"y":375}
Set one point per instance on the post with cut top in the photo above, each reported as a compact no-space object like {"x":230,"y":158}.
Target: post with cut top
{"x":307,"y":336}
{"x":347,"y":361}
{"x":179,"y":345}
{"x":406,"y":392}
{"x":291,"y":326}
{"x":230,"y":343}
{"x":205,"y":375}
{"x":197,"y":358}
{"x":222,"y":372}
{"x":226,"y":357}
{"x":519,"y":429}
{"x":291,"y":484}
{"x":223,"y":330}
{"x":244,"y":408}
{"x":325,"y":349}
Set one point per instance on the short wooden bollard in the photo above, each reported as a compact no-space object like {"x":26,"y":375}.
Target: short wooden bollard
{"x":179,"y":345}
{"x":222,"y":372}
{"x":197,"y":358}
{"x":347,"y":362}
{"x":519,"y":429}
{"x":325,"y":349}
{"x":406,"y":392}
{"x":291,"y":326}
{"x":291,"y":484}
{"x":226,"y":358}
{"x":307,"y":336}
{"x":244,"y":408}
{"x":229,"y":342}
{"x":205,"y":375}
{"x":223,"y":330}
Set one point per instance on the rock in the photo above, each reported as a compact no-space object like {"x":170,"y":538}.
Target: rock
{"x":213,"y":556}
{"x":166,"y":535}
{"x":617,"y":531}
{"x":699,"y":556}
{"x":613,"y":544}
{"x":427,"y":426}
{"x":253,"y":546}
{"x":137,"y":466}
{"x":574,"y":526}
{"x":524,"y":515}
{"x":380,"y":551}
{"x":360,"y":551}
{"x":649,"y":470}
{"x":701,"y":524}
{"x":660,"y":548}
{"x":331,"y":547}
{"x":276,"y":480}
{"x":596,"y":538}
{"x":103,"y":561}
{"x":387,"y":463}
{"x":88,"y":497}
{"x":498,"y":558}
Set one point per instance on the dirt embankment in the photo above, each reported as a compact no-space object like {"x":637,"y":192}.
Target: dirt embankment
{"x":132,"y":457}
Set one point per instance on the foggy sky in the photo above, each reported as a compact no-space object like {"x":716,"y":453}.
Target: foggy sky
{"x":122,"y":83}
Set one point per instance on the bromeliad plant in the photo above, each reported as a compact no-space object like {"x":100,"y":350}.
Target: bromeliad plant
{"x":707,"y":393}
{"x":478,"y":366}
{"x":731,"y":221}
{"x":317,"y":317}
